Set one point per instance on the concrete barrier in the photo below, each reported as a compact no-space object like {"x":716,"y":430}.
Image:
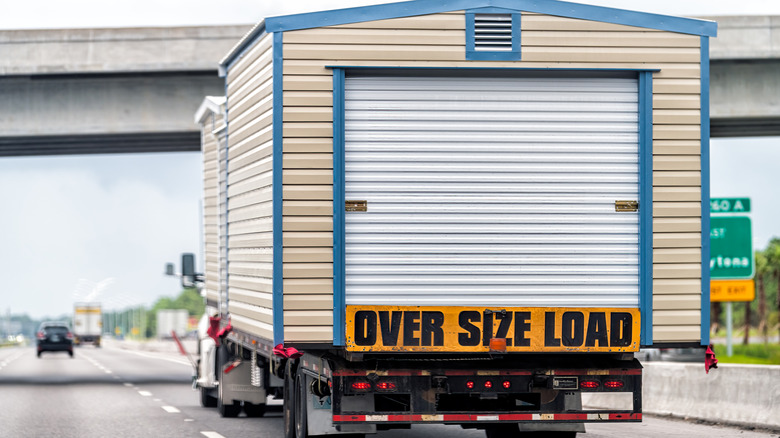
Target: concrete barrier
{"x":746,"y":395}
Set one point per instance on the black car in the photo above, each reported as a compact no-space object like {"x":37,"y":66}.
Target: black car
{"x":55,"y":336}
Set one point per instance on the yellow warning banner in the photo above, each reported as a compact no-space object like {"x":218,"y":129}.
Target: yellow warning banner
{"x":470,"y":329}
{"x":732,"y":290}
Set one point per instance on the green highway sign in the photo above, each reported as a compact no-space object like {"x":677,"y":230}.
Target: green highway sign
{"x":730,"y":205}
{"x":731,"y":247}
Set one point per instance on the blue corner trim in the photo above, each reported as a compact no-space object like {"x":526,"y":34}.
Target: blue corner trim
{"x":705,"y":190}
{"x":246,"y":44}
{"x":646,"y":205}
{"x":473,"y":55}
{"x":278,"y":142}
{"x":551,"y":7}
{"x":339,"y":274}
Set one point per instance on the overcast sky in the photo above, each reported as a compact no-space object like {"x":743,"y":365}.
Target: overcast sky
{"x":81,"y":226}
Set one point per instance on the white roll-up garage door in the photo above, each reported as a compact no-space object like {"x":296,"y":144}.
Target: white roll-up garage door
{"x":492,"y":191}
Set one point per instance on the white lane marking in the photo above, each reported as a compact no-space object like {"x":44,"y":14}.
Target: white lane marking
{"x":178,"y":361}
{"x":157,"y":400}
{"x":145,"y":393}
{"x":171,"y":409}
{"x":212,"y":435}
{"x":128,"y":384}
{"x":187,"y":420}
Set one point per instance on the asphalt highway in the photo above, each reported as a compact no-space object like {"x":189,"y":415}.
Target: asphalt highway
{"x":120,"y":392}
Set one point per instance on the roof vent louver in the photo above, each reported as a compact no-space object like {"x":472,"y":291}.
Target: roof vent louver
{"x":493,"y":32}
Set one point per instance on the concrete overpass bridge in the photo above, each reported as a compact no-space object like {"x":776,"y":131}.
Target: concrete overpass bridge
{"x":83,"y":91}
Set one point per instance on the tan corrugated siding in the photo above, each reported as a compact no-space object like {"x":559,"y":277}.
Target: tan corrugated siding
{"x":250,"y":200}
{"x":547,"y":42}
{"x":209,"y":145}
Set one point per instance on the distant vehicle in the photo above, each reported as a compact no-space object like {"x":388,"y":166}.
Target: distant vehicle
{"x":171,"y":320}
{"x":87,"y":323}
{"x":54,"y":336}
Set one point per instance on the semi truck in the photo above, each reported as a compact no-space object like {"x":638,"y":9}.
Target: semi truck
{"x":87,"y":323}
{"x":464,"y":212}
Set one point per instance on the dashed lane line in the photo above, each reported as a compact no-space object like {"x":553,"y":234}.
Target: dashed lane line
{"x":145,"y":393}
{"x":171,"y":409}
{"x":212,"y":435}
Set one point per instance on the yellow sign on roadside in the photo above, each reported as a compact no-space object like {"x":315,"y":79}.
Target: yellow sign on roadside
{"x":732,"y":290}
{"x":461,"y":329}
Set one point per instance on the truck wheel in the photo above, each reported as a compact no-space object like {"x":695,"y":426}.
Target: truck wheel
{"x":301,"y":428}
{"x":207,"y":400}
{"x":254,"y":410}
{"x":503,"y":431}
{"x":289,"y":400}
{"x":226,"y":410}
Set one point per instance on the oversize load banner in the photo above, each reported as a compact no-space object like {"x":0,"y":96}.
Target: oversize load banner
{"x":469,"y":329}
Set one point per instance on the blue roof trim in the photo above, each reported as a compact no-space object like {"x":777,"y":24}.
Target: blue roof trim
{"x":551,"y":7}
{"x":278,"y":143}
{"x":339,"y":254}
{"x":705,"y":191}
{"x":646,"y":206}
{"x":241,"y":48}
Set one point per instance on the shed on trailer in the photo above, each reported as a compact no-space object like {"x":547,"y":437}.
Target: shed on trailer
{"x":466,"y":153}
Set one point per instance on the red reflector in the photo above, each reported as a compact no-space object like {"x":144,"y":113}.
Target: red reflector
{"x":613,"y":384}
{"x":361,"y":386}
{"x":488,"y":384}
{"x":385,"y":386}
{"x":470,"y":384}
{"x":506,"y":384}
{"x":589,"y":384}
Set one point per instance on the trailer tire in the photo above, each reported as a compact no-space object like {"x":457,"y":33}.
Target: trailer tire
{"x":207,"y":400}
{"x":225,"y":410}
{"x":254,"y":410}
{"x":289,"y":400}
{"x":301,"y":427}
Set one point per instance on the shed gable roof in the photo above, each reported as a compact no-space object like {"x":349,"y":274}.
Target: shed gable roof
{"x":550,"y":7}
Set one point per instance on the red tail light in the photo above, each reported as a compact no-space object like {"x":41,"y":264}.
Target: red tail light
{"x":361,"y":386}
{"x":613,"y":384}
{"x":506,"y":384}
{"x":470,"y":384}
{"x":41,"y":335}
{"x":488,"y":384}
{"x":69,"y":336}
{"x":385,"y":386}
{"x":589,"y":384}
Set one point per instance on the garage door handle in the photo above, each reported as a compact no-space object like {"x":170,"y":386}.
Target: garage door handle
{"x":622,"y":206}
{"x":355,"y":205}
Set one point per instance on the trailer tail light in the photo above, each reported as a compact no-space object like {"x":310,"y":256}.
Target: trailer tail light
{"x":589,"y":384}
{"x":470,"y":384}
{"x":506,"y":384}
{"x":613,"y":384}
{"x":488,"y":384}
{"x":361,"y":386}
{"x":386,"y":386}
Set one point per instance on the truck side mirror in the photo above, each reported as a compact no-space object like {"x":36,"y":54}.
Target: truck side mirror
{"x":188,"y":270}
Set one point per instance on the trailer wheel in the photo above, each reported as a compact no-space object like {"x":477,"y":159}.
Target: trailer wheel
{"x":289,"y":400}
{"x":254,"y":410}
{"x":226,"y":410}
{"x":207,"y":400}
{"x":301,"y":428}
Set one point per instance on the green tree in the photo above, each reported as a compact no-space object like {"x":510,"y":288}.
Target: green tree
{"x":772,"y":254}
{"x":762,"y":271}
